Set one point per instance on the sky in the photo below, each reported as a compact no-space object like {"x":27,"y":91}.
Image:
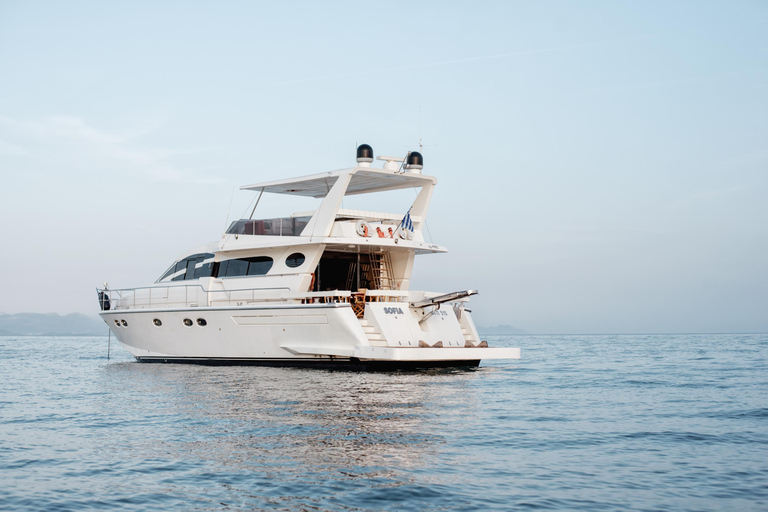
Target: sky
{"x":602,"y":166}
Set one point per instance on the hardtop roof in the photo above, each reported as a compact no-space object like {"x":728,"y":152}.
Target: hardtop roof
{"x":364,"y":180}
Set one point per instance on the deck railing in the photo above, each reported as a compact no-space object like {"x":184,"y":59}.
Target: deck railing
{"x":196,"y":296}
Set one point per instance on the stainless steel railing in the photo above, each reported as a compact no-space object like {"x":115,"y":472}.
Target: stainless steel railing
{"x":182,"y":296}
{"x":196,"y":296}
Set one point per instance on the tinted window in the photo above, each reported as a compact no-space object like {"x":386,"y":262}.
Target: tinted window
{"x":168,"y":272}
{"x":295,"y":260}
{"x":205,"y":270}
{"x":255,"y":266}
{"x":259,"y":265}
{"x":189,"y":265}
{"x":286,"y":226}
{"x":237,"y":268}
{"x":191,"y":269}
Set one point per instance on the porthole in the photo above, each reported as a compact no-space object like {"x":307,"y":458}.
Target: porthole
{"x":201,"y":322}
{"x":295,"y":260}
{"x":188,"y":322}
{"x":125,"y":324}
{"x":117,"y":323}
{"x":157,"y":322}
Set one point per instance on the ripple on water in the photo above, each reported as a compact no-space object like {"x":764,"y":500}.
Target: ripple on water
{"x":581,"y":423}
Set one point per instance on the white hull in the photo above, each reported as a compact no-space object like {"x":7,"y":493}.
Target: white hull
{"x":302,"y":334}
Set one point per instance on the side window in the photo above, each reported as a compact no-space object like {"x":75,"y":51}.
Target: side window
{"x":255,"y":266}
{"x":168,"y":272}
{"x":200,"y":269}
{"x":181,"y":265}
{"x":191,"y":269}
{"x":189,"y":266}
{"x":205,"y":270}
{"x":259,"y":265}
{"x":237,"y":268}
{"x":295,"y":260}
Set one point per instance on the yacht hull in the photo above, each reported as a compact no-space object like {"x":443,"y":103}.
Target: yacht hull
{"x":316,"y":335}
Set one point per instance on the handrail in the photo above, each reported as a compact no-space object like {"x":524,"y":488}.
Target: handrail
{"x":196,"y":295}
{"x":128,"y":298}
{"x":158,"y":296}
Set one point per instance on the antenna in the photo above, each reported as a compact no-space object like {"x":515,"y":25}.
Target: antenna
{"x":421,"y":144}
{"x":421,"y":141}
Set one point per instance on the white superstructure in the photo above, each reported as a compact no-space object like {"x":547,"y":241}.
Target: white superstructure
{"x":326,"y":287}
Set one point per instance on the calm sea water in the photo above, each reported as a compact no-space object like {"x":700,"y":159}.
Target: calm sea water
{"x":662,"y":422}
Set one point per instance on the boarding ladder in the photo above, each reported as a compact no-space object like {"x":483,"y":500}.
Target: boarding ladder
{"x":376,"y":272}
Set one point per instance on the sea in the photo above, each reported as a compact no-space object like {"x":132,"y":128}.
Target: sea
{"x":594,"y":423}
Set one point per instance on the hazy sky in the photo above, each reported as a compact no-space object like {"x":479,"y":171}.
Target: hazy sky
{"x":602,"y":166}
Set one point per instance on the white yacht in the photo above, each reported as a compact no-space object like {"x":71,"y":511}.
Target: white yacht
{"x":329,"y":287}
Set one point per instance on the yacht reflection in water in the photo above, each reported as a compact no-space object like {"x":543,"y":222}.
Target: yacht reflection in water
{"x":287,"y":421}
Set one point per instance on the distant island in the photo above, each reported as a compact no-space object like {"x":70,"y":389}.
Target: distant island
{"x":51,"y":324}
{"x":501,"y":329}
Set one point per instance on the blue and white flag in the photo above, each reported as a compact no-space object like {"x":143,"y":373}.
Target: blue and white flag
{"x":406,"y":223}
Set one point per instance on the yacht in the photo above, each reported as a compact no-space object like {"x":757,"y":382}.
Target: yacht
{"x":323,"y":288}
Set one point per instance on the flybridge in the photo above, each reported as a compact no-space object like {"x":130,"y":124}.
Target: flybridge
{"x":362,"y":180}
{"x":397,"y":173}
{"x":331,"y":187}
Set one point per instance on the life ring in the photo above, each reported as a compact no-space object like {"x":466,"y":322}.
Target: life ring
{"x":402,"y":233}
{"x":362,"y":228}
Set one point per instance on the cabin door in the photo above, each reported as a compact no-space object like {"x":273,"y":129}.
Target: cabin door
{"x":353,"y":271}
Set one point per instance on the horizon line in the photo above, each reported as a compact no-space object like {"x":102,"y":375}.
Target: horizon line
{"x":615,"y":333}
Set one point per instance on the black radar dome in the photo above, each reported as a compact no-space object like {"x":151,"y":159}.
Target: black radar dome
{"x":364,"y":153}
{"x":415,"y":159}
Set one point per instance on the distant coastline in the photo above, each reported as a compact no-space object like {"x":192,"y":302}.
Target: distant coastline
{"x":51,"y":324}
{"x":501,"y":329}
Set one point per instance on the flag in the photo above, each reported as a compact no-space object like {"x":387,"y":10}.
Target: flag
{"x":406,"y":223}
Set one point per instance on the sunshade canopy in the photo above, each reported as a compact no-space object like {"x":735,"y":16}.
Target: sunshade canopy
{"x":364,"y":180}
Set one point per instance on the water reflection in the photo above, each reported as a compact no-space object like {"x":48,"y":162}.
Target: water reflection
{"x":285,"y":421}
